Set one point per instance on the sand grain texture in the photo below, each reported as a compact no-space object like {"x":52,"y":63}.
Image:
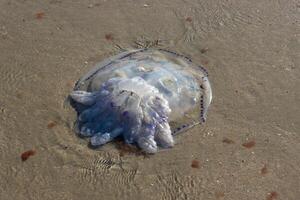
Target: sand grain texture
{"x":251,"y":50}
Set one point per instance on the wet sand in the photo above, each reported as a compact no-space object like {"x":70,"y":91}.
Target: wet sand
{"x":249,"y":147}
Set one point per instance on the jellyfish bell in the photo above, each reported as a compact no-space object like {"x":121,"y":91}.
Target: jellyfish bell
{"x":144,"y":95}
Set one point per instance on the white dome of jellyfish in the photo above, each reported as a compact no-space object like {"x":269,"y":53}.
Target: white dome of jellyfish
{"x":145,"y":96}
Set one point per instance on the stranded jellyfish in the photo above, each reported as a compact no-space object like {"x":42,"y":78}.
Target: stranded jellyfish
{"x":145,"y":96}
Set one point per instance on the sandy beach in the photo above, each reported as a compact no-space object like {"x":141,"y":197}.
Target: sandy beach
{"x":249,"y":148}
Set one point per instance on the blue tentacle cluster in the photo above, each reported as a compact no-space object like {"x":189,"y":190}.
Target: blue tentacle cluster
{"x":128,"y":107}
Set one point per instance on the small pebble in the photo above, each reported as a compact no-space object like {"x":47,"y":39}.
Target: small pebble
{"x":204,"y":50}
{"x":195,"y":164}
{"x":189,"y":19}
{"x":51,"y":124}
{"x":249,"y":145}
{"x":228,"y":141}
{"x":264,"y":170}
{"x":39,"y":15}
{"x":272,"y":195}
{"x":109,"y":37}
{"x":25,"y":155}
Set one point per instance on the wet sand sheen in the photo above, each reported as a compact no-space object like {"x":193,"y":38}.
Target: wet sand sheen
{"x":248,"y":148}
